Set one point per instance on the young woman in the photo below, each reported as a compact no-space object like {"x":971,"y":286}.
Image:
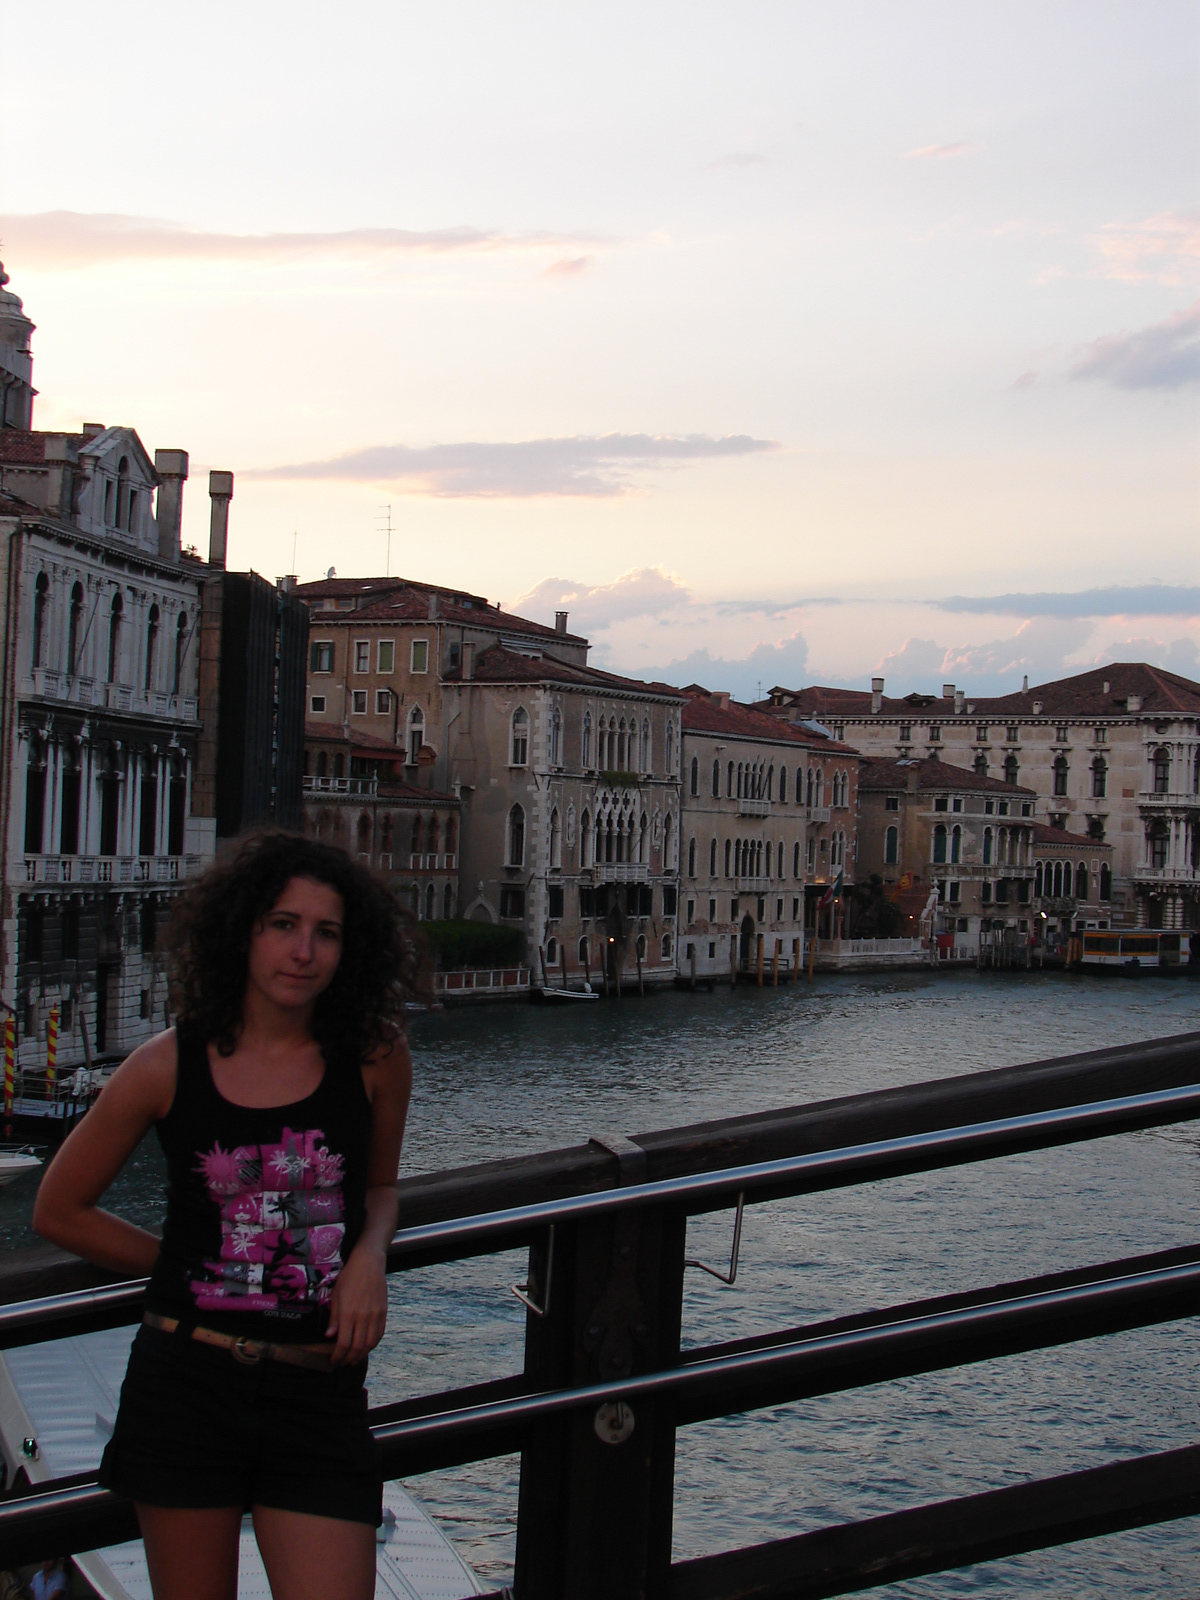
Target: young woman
{"x":279,"y":1100}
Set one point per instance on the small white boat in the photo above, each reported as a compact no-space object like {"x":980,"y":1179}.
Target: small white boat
{"x":57,"y":1405}
{"x":586,"y":993}
{"x":16,"y":1160}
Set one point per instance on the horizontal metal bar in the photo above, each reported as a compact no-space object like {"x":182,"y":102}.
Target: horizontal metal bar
{"x":953,"y":1533}
{"x":723,"y":1386}
{"x":58,"y":1316}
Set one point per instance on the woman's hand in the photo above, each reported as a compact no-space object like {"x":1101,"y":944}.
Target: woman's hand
{"x":358,"y":1309}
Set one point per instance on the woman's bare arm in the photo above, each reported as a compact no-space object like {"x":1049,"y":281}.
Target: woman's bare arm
{"x":358,"y":1309}
{"x":66,"y":1212}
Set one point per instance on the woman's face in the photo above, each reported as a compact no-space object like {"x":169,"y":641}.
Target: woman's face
{"x":295,"y":949}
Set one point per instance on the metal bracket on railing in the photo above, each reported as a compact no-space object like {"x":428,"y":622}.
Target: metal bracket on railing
{"x":723,"y":1277}
{"x":525,"y":1291}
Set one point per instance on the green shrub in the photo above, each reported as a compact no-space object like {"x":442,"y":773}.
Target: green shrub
{"x":460,"y":943}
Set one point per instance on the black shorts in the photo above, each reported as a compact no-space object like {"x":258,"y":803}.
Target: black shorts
{"x":197,"y":1428}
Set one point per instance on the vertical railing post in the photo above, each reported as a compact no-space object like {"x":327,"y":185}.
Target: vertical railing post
{"x":597,"y":1489}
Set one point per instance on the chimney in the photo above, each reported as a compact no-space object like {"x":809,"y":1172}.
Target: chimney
{"x":560,"y":622}
{"x":468,"y":662}
{"x":172,"y":469}
{"x":434,"y":606}
{"x":220,"y":492}
{"x":286,"y":584}
{"x":1025,"y":684}
{"x":1106,"y":685}
{"x":876,"y":695}
{"x":1037,"y":708}
{"x":959,"y":697}
{"x":947,"y":691}
{"x":1133,"y":702}
{"x":722,"y":697}
{"x":93,"y":430}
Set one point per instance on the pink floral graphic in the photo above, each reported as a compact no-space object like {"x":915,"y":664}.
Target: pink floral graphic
{"x":282,"y":1224}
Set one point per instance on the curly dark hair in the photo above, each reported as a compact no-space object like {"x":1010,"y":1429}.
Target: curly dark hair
{"x":383,"y":964}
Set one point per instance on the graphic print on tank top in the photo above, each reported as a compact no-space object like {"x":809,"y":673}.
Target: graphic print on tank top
{"x":282,"y":1224}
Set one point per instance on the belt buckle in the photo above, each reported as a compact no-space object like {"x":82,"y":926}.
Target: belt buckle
{"x":248,"y":1351}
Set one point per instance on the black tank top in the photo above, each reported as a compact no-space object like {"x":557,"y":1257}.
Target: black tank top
{"x":264,"y":1205}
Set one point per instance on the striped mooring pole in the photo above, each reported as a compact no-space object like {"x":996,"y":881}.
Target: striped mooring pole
{"x":10,"y":1055}
{"x":51,"y":1048}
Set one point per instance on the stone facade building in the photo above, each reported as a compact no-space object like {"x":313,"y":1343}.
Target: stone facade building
{"x":1072,"y":881}
{"x":768,"y":823}
{"x":100,"y":721}
{"x":570,"y":785}
{"x":927,"y":826}
{"x":1113,"y":754}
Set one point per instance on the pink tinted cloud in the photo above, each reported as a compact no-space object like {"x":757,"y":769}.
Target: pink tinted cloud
{"x":1164,"y":248}
{"x":940,"y":152}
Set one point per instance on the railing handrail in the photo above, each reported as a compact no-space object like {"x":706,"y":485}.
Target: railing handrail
{"x":493,"y":1231}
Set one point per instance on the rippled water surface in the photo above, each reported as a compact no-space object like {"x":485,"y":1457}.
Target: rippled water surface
{"x":508,"y":1080}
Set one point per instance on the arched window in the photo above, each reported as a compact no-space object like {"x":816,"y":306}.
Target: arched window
{"x":339,"y":765}
{"x":668,"y":844}
{"x":114,"y":636}
{"x":587,"y":739}
{"x":416,"y":734}
{"x":1037,"y":880}
{"x":771,"y":783}
{"x":1081,"y":882}
{"x":956,"y":845}
{"x":643,"y":837}
{"x":1012,"y":768}
{"x":769,"y":859}
{"x":515,"y":856}
{"x":1105,"y":882}
{"x":666,"y":947}
{"x":431,"y":834}
{"x":712,"y":858}
{"x":448,"y":902}
{"x":555,"y":839}
{"x":783,"y":786}
{"x":609,"y":840}
{"x":716,"y":780}
{"x":939,"y":842}
{"x":987,"y":847}
{"x":429,"y":902}
{"x":624,"y":761}
{"x":646,"y":745}
{"x":35,"y":798}
{"x":1158,"y":847}
{"x":1062,"y":771}
{"x":551,"y":952}
{"x":796,"y":859}
{"x":728,"y":848}
{"x":740,"y":774}
{"x":1099,"y":778}
{"x":809,"y":788}
{"x":583,"y":952}
{"x":585,"y":840}
{"x":1162,"y":771}
{"x":694,"y":786}
{"x":151,"y":646}
{"x":322,"y":764}
{"x":891,"y":846}
{"x":670,"y":766}
{"x":519,"y":747}
{"x":451,"y":834}
{"x":981,"y":763}
{"x":1067,"y":879}
{"x":123,"y":492}
{"x":729,"y":782}
{"x":181,"y":632}
{"x":364,"y":835}
{"x":1058,"y":880}
{"x":41,"y":601}
{"x":73,"y":625}
{"x":555,"y":737}
{"x":640,"y":947}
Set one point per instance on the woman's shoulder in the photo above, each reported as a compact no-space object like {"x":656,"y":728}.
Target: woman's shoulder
{"x":148,"y":1074}
{"x":387,"y":1067}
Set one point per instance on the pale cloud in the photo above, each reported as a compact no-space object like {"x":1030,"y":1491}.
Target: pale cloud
{"x":1162,"y":249}
{"x":569,"y":267}
{"x":68,"y":240}
{"x":739,"y":158}
{"x":746,"y":677}
{"x":573,"y":466}
{"x":1166,"y":355}
{"x":642,"y":592}
{"x":940,"y":152}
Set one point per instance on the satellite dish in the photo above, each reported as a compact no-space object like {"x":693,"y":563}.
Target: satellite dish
{"x":332,"y":573}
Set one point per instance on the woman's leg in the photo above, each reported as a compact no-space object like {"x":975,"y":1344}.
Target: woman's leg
{"x":192,"y":1554}
{"x":315,"y":1558}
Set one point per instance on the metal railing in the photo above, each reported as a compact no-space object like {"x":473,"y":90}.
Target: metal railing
{"x":603,"y":1352}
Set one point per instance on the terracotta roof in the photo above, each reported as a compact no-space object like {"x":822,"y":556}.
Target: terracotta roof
{"x":334,"y":733}
{"x":498,"y":665}
{"x":933,"y":775}
{"x":27,"y":447}
{"x":1079,"y":697}
{"x":401,"y":600}
{"x":702,"y":713}
{"x":1043,"y":833}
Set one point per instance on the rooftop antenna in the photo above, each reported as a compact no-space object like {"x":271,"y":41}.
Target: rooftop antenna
{"x":295,"y":536}
{"x":386,"y":527}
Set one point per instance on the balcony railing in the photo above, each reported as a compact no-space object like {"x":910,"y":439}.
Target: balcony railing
{"x":50,"y":684}
{"x":817,"y":813}
{"x":343,"y":786}
{"x":1185,"y":874}
{"x":753,"y":808}
{"x":1175,"y":799}
{"x":621,"y":872}
{"x":109,"y":869}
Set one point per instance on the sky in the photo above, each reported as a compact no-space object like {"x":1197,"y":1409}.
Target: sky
{"x":777,"y":343}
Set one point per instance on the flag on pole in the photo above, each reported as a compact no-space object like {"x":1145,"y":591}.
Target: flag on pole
{"x":52,"y":1046}
{"x":834,"y":892}
{"x":10,"y":1053}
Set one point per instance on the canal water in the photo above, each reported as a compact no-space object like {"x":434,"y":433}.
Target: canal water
{"x":507,"y":1080}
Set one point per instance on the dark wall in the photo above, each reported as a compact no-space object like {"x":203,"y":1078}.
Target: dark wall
{"x":260,"y":747}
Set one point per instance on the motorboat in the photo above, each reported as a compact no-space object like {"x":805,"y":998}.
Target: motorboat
{"x":569,"y":995}
{"x":58,"y":1402}
{"x":16,"y":1160}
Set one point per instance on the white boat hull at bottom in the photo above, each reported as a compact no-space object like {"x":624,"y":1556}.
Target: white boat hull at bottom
{"x":64,"y":1394}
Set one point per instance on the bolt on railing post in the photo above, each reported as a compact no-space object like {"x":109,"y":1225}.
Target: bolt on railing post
{"x":597,"y":1488}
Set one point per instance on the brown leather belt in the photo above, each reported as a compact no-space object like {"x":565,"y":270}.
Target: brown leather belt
{"x":248,"y":1351}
